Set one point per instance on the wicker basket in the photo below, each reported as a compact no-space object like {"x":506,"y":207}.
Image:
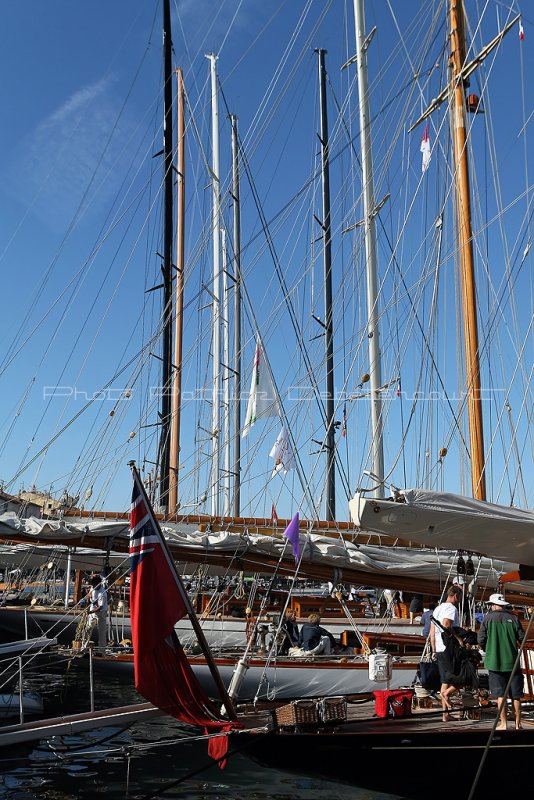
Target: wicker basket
{"x":299,"y":712}
{"x":333,"y":709}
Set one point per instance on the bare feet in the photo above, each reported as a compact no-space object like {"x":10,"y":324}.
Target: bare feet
{"x":501,"y":728}
{"x":518,"y":726}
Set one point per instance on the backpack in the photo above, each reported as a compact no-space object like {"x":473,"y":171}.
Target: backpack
{"x":460,"y":669}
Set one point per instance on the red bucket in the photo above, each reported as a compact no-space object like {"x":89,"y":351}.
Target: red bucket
{"x":393,"y":702}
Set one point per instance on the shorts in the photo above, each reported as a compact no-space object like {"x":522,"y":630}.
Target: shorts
{"x":498,"y":681}
{"x":443,"y":665}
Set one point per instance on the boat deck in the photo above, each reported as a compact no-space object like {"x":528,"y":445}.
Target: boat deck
{"x":362,"y":721}
{"x":391,"y":754}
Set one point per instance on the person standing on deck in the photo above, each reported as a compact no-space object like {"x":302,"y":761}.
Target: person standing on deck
{"x":98,"y":609}
{"x":426,"y":619}
{"x":447,"y":614}
{"x":500,"y":635}
{"x":416,"y":607}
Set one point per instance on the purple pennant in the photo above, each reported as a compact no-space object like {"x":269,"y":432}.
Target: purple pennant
{"x":292,"y":533}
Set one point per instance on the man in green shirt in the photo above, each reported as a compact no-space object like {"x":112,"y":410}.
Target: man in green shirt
{"x":500,"y":635}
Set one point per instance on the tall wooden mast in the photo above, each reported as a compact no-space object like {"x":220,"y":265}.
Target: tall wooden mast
{"x":465,"y":249}
{"x":454,"y":93}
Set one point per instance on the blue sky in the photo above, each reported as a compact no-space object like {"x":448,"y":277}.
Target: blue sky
{"x":79,"y":195}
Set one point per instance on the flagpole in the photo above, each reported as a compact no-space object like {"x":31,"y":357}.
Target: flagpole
{"x":229,"y":706}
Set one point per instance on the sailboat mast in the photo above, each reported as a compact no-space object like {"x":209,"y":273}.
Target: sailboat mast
{"x":328,"y":327}
{"x":216,"y":292}
{"x":177,"y":371}
{"x":225,"y":326}
{"x":375,"y":370}
{"x":167,"y":260}
{"x":468,"y":289}
{"x":236,"y":497}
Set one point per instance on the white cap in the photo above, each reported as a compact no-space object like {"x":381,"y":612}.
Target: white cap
{"x":498,"y":600}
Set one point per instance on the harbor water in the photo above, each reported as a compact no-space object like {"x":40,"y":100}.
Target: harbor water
{"x":153,"y":759}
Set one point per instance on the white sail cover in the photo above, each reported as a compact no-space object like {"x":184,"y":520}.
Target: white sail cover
{"x":379,"y":563}
{"x":450,"y":521}
{"x":52,"y":529}
{"x":31,"y":556}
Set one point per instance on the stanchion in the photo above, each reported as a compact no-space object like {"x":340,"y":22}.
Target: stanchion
{"x":21,"y":696}
{"x":91,"y":684}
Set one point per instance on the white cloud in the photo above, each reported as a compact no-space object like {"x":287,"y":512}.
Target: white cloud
{"x":54,"y":165}
{"x":80,"y":100}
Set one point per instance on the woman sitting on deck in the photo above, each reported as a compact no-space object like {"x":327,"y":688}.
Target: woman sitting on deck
{"x":290,"y":632}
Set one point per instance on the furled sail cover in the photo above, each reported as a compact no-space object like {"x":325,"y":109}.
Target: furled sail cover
{"x":374,"y":564}
{"x":450,"y":521}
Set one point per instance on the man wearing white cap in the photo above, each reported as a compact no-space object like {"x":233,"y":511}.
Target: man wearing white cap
{"x":500,"y":635}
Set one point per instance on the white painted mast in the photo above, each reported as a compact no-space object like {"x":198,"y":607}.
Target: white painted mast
{"x":375,"y":371}
{"x":216,"y":299}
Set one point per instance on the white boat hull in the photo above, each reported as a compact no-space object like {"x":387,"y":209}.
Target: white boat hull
{"x":25,"y":646}
{"x":32,"y":704}
{"x":283,"y":680}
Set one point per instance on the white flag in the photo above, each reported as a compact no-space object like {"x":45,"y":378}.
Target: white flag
{"x":425,"y":150}
{"x":282,"y":452}
{"x":262,"y":399}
